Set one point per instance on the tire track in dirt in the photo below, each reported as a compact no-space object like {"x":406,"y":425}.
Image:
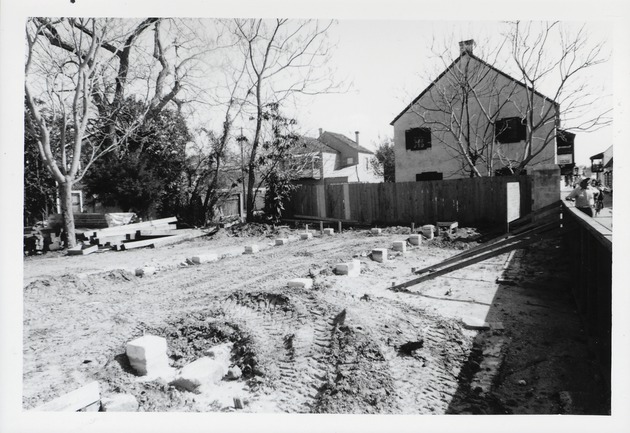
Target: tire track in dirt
{"x":297,"y":334}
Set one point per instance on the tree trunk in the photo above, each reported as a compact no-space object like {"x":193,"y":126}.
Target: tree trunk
{"x":65,"y":198}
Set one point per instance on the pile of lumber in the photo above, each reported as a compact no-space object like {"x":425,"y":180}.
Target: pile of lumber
{"x":151,"y":234}
{"x":93,"y":220}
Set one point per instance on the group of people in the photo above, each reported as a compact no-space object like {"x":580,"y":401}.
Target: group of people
{"x":588,"y":196}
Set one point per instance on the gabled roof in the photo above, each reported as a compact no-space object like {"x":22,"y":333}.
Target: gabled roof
{"x":310,"y":144}
{"x":472,"y":56}
{"x":340,"y":138}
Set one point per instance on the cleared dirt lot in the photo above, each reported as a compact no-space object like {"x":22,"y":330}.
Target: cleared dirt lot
{"x":349,"y":345}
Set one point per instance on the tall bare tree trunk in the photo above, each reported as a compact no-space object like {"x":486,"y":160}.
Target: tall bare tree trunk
{"x":65,"y":199}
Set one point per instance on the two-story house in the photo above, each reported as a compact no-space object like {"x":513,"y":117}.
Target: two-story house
{"x":474,"y":120}
{"x":333,"y":158}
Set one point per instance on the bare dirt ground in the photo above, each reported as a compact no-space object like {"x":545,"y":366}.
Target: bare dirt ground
{"x":349,"y":345}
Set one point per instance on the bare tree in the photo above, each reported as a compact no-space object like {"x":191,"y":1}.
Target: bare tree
{"x":465,"y":105}
{"x":78,"y":73}
{"x":284,"y":58}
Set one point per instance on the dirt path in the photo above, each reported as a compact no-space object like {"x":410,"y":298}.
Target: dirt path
{"x":349,"y":345}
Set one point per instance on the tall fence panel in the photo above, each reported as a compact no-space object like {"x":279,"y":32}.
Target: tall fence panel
{"x":469,"y":201}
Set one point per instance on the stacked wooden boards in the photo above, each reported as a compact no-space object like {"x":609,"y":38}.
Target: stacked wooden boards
{"x":152,"y":234}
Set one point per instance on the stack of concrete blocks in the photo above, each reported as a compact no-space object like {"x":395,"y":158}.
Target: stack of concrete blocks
{"x":301,"y":283}
{"x":428,"y":231}
{"x":282,"y":241}
{"x":376,"y":231}
{"x":144,"y":271}
{"x":204,"y":258}
{"x":251,"y":249}
{"x":147,"y":355}
{"x":400,"y":246}
{"x":351,"y":269}
{"x":329,"y":232}
{"x":415,"y":239}
{"x":306,"y":236}
{"x":379,"y":255}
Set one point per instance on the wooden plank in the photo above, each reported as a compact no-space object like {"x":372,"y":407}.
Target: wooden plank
{"x":135,"y":227}
{"x":160,"y":241}
{"x":73,"y":401}
{"x":502,"y":241}
{"x":164,"y":232}
{"x":82,"y":250}
{"x":470,"y":261}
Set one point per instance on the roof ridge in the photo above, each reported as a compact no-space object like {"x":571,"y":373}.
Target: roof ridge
{"x":494,"y":68}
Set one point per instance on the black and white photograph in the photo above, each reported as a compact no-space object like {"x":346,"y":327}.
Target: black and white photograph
{"x":263,"y":216}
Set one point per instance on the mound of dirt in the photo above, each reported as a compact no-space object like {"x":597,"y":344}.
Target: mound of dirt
{"x":462,"y":239}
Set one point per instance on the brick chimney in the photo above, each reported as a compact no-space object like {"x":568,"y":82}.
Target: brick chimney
{"x":320,"y":131}
{"x":356,"y":136}
{"x":466,"y":46}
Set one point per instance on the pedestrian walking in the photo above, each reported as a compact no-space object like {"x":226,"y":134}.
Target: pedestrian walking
{"x":599,"y":198}
{"x":584,"y":196}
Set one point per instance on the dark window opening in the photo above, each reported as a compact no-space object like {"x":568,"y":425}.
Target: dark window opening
{"x":428,"y":175}
{"x":417,"y":138}
{"x":510,"y":130}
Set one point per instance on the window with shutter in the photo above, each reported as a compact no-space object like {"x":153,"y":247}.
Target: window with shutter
{"x":510,"y":130}
{"x":417,"y":138}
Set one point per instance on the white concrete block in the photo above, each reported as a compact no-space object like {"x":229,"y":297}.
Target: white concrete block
{"x":204,"y":371}
{"x":376,"y":231}
{"x":428,"y":231}
{"x":379,"y":254}
{"x":204,"y":258}
{"x":400,"y":246}
{"x":351,"y":269}
{"x":301,"y":283}
{"x":415,"y":239}
{"x":329,"y":232}
{"x":251,"y":249}
{"x":475,"y":323}
{"x":119,"y":403}
{"x":282,"y":241}
{"x":147,"y":355}
{"x":305,"y":236}
{"x":147,"y":270}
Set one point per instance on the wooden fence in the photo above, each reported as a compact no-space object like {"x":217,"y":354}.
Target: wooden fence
{"x":590,"y":249}
{"x":471,"y":202}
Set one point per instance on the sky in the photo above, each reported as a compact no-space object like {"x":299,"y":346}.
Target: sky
{"x":389,"y":62}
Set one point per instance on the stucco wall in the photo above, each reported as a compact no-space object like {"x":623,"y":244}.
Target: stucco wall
{"x":443,"y":155}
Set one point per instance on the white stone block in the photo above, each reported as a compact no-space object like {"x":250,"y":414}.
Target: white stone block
{"x":351,"y":269}
{"x":329,"y":232}
{"x":147,"y":270}
{"x":119,"y":403}
{"x":475,"y":323}
{"x":428,"y":231}
{"x":376,"y":231}
{"x":415,"y":239}
{"x":204,"y":371}
{"x":234,"y":373}
{"x":400,"y":246}
{"x":379,"y":254}
{"x":305,"y":236}
{"x":301,"y":283}
{"x":282,"y":241}
{"x":251,"y":249}
{"x":147,"y":355}
{"x":204,"y":258}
